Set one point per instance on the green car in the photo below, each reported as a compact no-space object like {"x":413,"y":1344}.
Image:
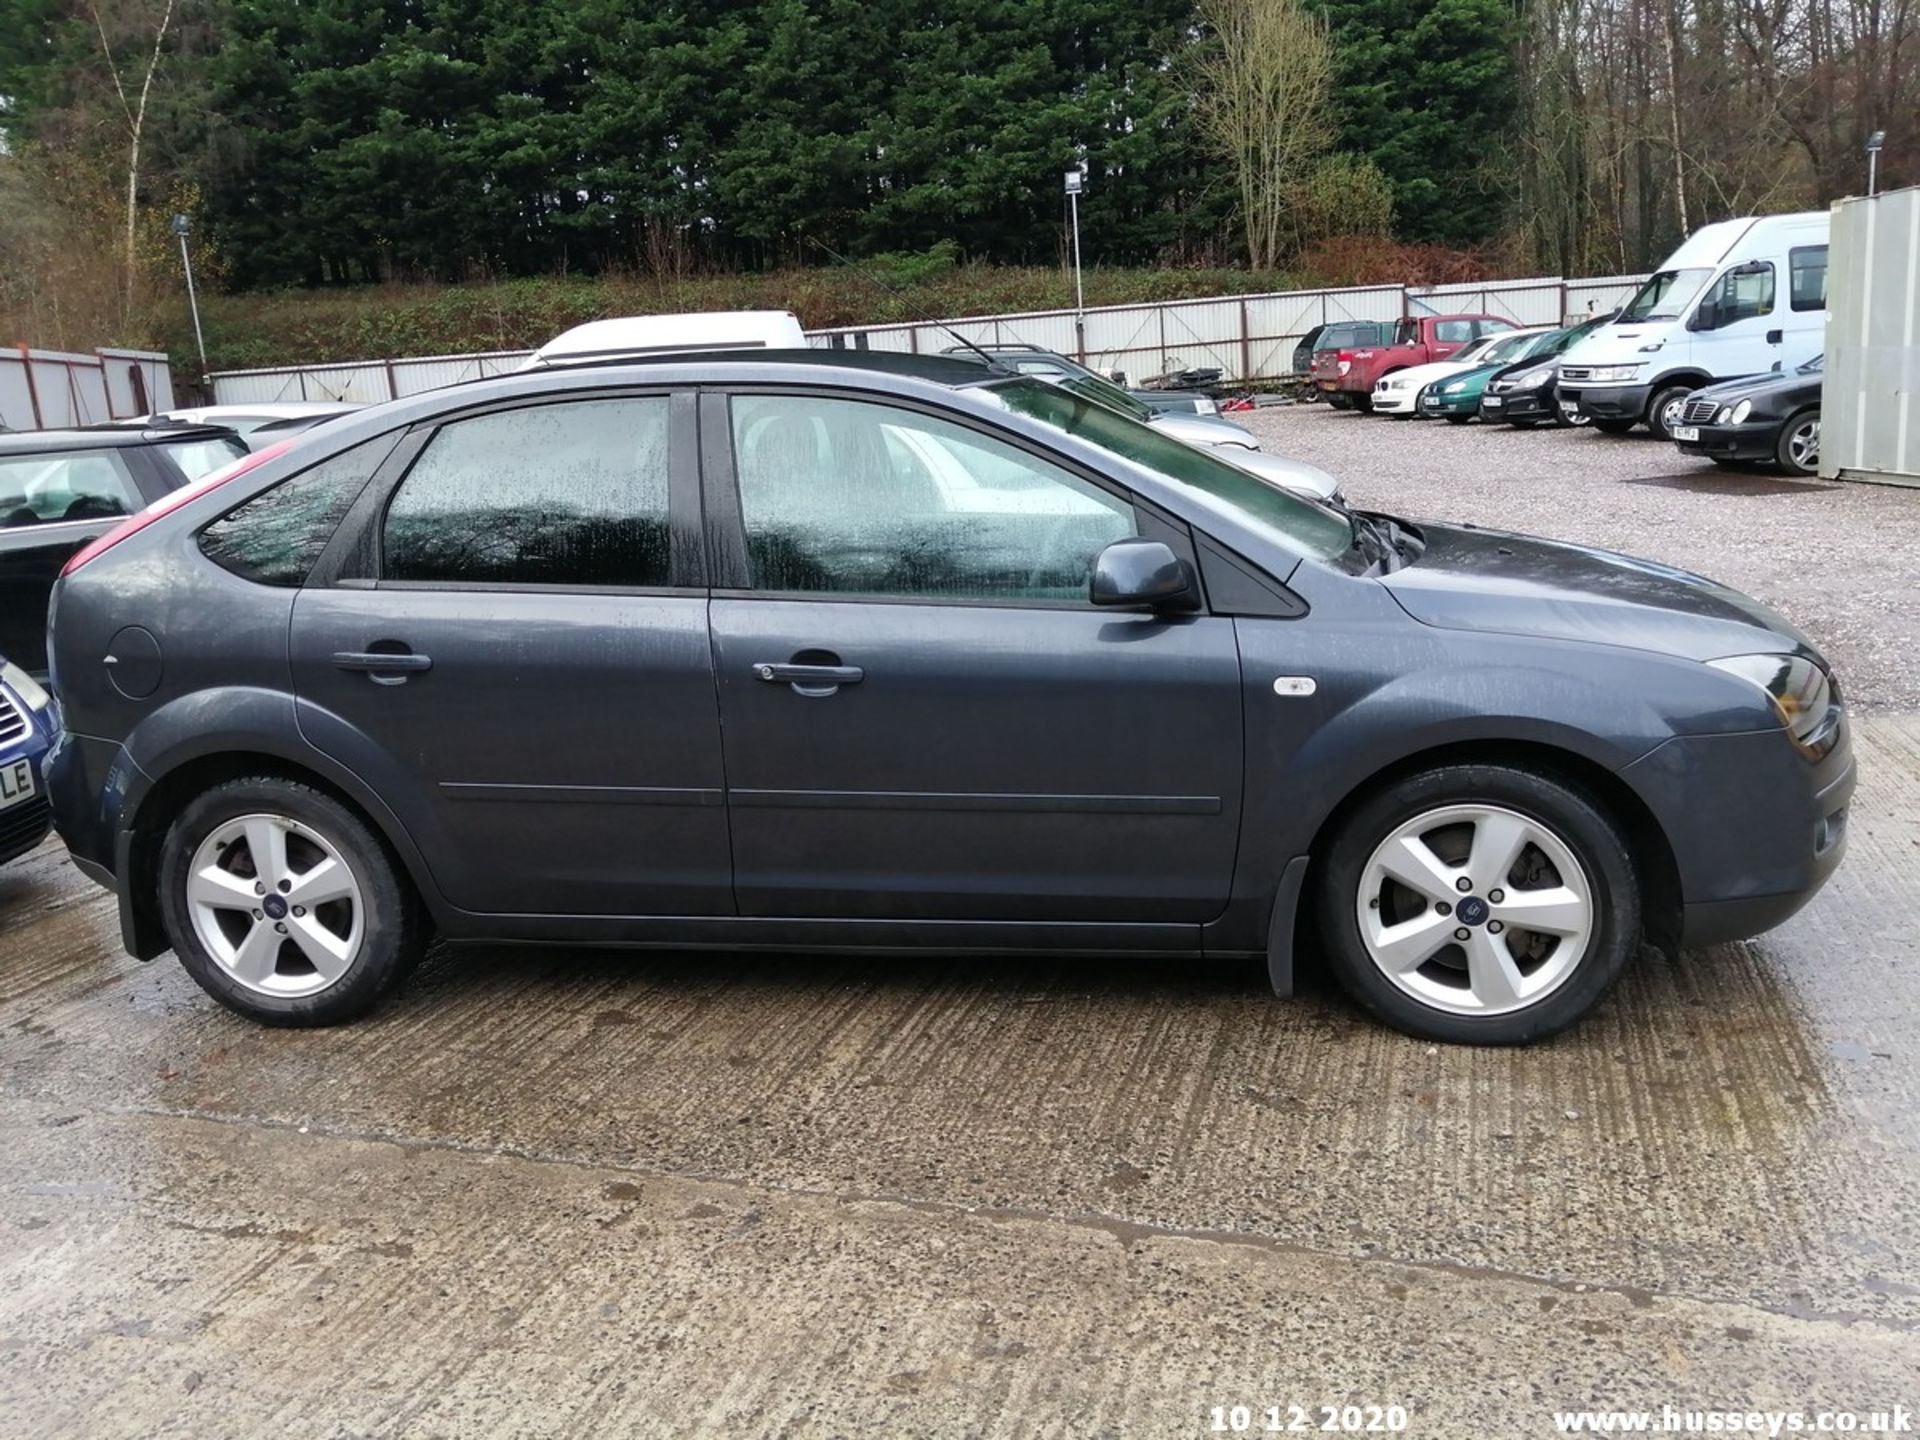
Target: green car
{"x":1457,"y":397}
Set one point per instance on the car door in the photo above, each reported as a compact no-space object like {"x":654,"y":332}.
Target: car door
{"x":1745,"y":336}
{"x":924,"y":718}
{"x":51,"y":504}
{"x":518,"y":661}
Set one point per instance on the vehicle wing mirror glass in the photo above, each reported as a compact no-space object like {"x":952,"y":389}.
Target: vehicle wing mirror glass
{"x":1141,"y":572}
{"x":1706,"y":316}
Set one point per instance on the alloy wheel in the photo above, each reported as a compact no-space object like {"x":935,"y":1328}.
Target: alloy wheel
{"x":1803,"y":444}
{"x":1475,"y":909}
{"x":276,"y":905}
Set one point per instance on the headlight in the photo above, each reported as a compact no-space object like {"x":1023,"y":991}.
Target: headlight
{"x":25,"y":686}
{"x":1205,"y":406}
{"x":1801,"y":693}
{"x":1454,"y":389}
{"x":1606,"y":373}
{"x":1533,"y":381}
{"x":1740,"y":412}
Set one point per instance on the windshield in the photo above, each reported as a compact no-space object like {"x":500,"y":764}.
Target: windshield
{"x":1814,"y":366}
{"x":202,"y":457}
{"x":1666,"y":294}
{"x":1507,"y":347}
{"x":1293,"y":520}
{"x":1105,"y":392}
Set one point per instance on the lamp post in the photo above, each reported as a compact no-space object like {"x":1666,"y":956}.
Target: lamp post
{"x":182,"y":225}
{"x":1076,"y":182}
{"x":1874,"y":142}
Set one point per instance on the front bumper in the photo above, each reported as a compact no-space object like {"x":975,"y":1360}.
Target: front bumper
{"x":1437,"y":403}
{"x":1607,"y":402}
{"x":1508,"y":405}
{"x":25,"y":823}
{"x":1754,"y":828}
{"x":1754,"y":440}
{"x":1394,"y":402}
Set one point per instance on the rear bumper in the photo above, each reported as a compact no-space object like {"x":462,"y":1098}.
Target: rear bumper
{"x":1608,"y":402}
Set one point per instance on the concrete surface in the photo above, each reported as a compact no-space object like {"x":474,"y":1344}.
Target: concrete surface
{"x":596,"y":1193}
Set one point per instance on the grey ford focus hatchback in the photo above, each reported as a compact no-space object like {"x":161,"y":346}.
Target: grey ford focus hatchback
{"x":809,"y":650}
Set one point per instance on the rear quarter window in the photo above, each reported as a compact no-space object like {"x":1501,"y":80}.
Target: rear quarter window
{"x":276,"y":537}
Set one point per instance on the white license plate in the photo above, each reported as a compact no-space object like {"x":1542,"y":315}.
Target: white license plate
{"x":16,"y":783}
{"x":1689,"y":433}
{"x":1493,"y":402}
{"x":1569,"y":407}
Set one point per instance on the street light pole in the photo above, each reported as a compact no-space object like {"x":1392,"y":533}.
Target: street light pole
{"x":1076,"y":182}
{"x":183,"y":226}
{"x":1874,"y":142}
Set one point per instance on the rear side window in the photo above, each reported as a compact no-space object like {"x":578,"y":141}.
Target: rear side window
{"x":1807,"y":269}
{"x":565,"y":494}
{"x":275,"y":538}
{"x":64,"y":487}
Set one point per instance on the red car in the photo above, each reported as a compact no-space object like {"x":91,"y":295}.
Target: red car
{"x":1347,"y":376}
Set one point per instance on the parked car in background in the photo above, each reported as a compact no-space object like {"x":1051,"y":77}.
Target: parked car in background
{"x":1416,"y":340}
{"x":27,"y":726}
{"x":61,"y":489}
{"x":1766,"y":418}
{"x":1456,"y":398}
{"x":1741,"y":297}
{"x":1032,"y":360}
{"x":636,"y":337}
{"x":1091,"y":689}
{"x":1398,"y":394}
{"x":1335,"y":335}
{"x":249,"y":422}
{"x":1524,"y":394}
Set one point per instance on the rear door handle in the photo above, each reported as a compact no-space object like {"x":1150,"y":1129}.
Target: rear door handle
{"x":812,"y":680}
{"x":1774,"y":337}
{"x":383,"y":669}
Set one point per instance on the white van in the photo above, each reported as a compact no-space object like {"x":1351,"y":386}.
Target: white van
{"x":633,"y":336}
{"x":1743,"y":297}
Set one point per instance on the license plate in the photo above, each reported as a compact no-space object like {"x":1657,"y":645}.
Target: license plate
{"x":1689,"y":433}
{"x":1569,"y":407}
{"x":1494,"y":402}
{"x":16,"y":783}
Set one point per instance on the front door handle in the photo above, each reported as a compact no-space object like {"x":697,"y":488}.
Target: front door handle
{"x":1774,"y":337}
{"x":389,"y":668}
{"x":810,"y":680}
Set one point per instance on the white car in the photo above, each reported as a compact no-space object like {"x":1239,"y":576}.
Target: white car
{"x":629,"y":337}
{"x":1397,"y":393}
{"x":258,"y":425}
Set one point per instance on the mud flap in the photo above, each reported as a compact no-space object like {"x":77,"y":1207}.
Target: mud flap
{"x":1286,"y":904}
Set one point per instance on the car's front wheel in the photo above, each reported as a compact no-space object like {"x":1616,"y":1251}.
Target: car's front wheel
{"x":1479,"y":904}
{"x":284,"y":905}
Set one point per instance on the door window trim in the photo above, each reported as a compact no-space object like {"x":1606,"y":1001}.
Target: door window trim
{"x":353,"y":557}
{"x":726,"y":530}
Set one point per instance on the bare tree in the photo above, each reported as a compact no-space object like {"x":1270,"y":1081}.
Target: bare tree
{"x":134,"y":110}
{"x":1264,"y":97}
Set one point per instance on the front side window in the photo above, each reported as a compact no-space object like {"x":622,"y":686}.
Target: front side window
{"x":275,"y":537}
{"x":1807,"y":277}
{"x":64,"y":487}
{"x":1743,"y":293}
{"x":564,"y":494}
{"x":852,"y":497}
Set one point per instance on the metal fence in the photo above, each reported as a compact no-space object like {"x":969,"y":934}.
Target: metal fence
{"x":1246,"y":336}
{"x":50,"y":389}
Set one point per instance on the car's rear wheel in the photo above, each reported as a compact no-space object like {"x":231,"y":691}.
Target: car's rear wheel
{"x":1798,"y":448}
{"x":284,"y":905}
{"x":1479,"y":904}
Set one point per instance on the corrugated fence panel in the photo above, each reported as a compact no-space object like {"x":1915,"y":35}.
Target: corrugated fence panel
{"x":1601,"y":294}
{"x":49,"y":389}
{"x":411,"y":377}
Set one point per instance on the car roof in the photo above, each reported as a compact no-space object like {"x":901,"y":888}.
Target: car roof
{"x":104,"y":437}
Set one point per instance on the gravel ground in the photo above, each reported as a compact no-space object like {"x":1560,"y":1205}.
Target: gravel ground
{"x":1842,"y":561}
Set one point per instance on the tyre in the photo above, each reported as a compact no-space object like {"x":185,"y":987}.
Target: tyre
{"x":1577,"y":421}
{"x":1798,"y":448}
{"x":1663,"y":411}
{"x":1338,"y":401}
{"x":1478,"y":904}
{"x":284,"y":905}
{"x":1362,"y":401}
{"x":1614,"y":427}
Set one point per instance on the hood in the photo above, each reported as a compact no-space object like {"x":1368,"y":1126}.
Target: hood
{"x":1490,"y":580}
{"x":1760,"y":387}
{"x":1203,"y":430}
{"x":1419,"y":375}
{"x":1294,"y":475}
{"x":1620,"y":343}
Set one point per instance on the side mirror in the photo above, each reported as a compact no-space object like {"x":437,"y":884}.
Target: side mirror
{"x":1706,"y":317}
{"x":1140,"y":572}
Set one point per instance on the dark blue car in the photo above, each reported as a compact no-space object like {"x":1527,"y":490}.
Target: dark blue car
{"x":27,"y":725}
